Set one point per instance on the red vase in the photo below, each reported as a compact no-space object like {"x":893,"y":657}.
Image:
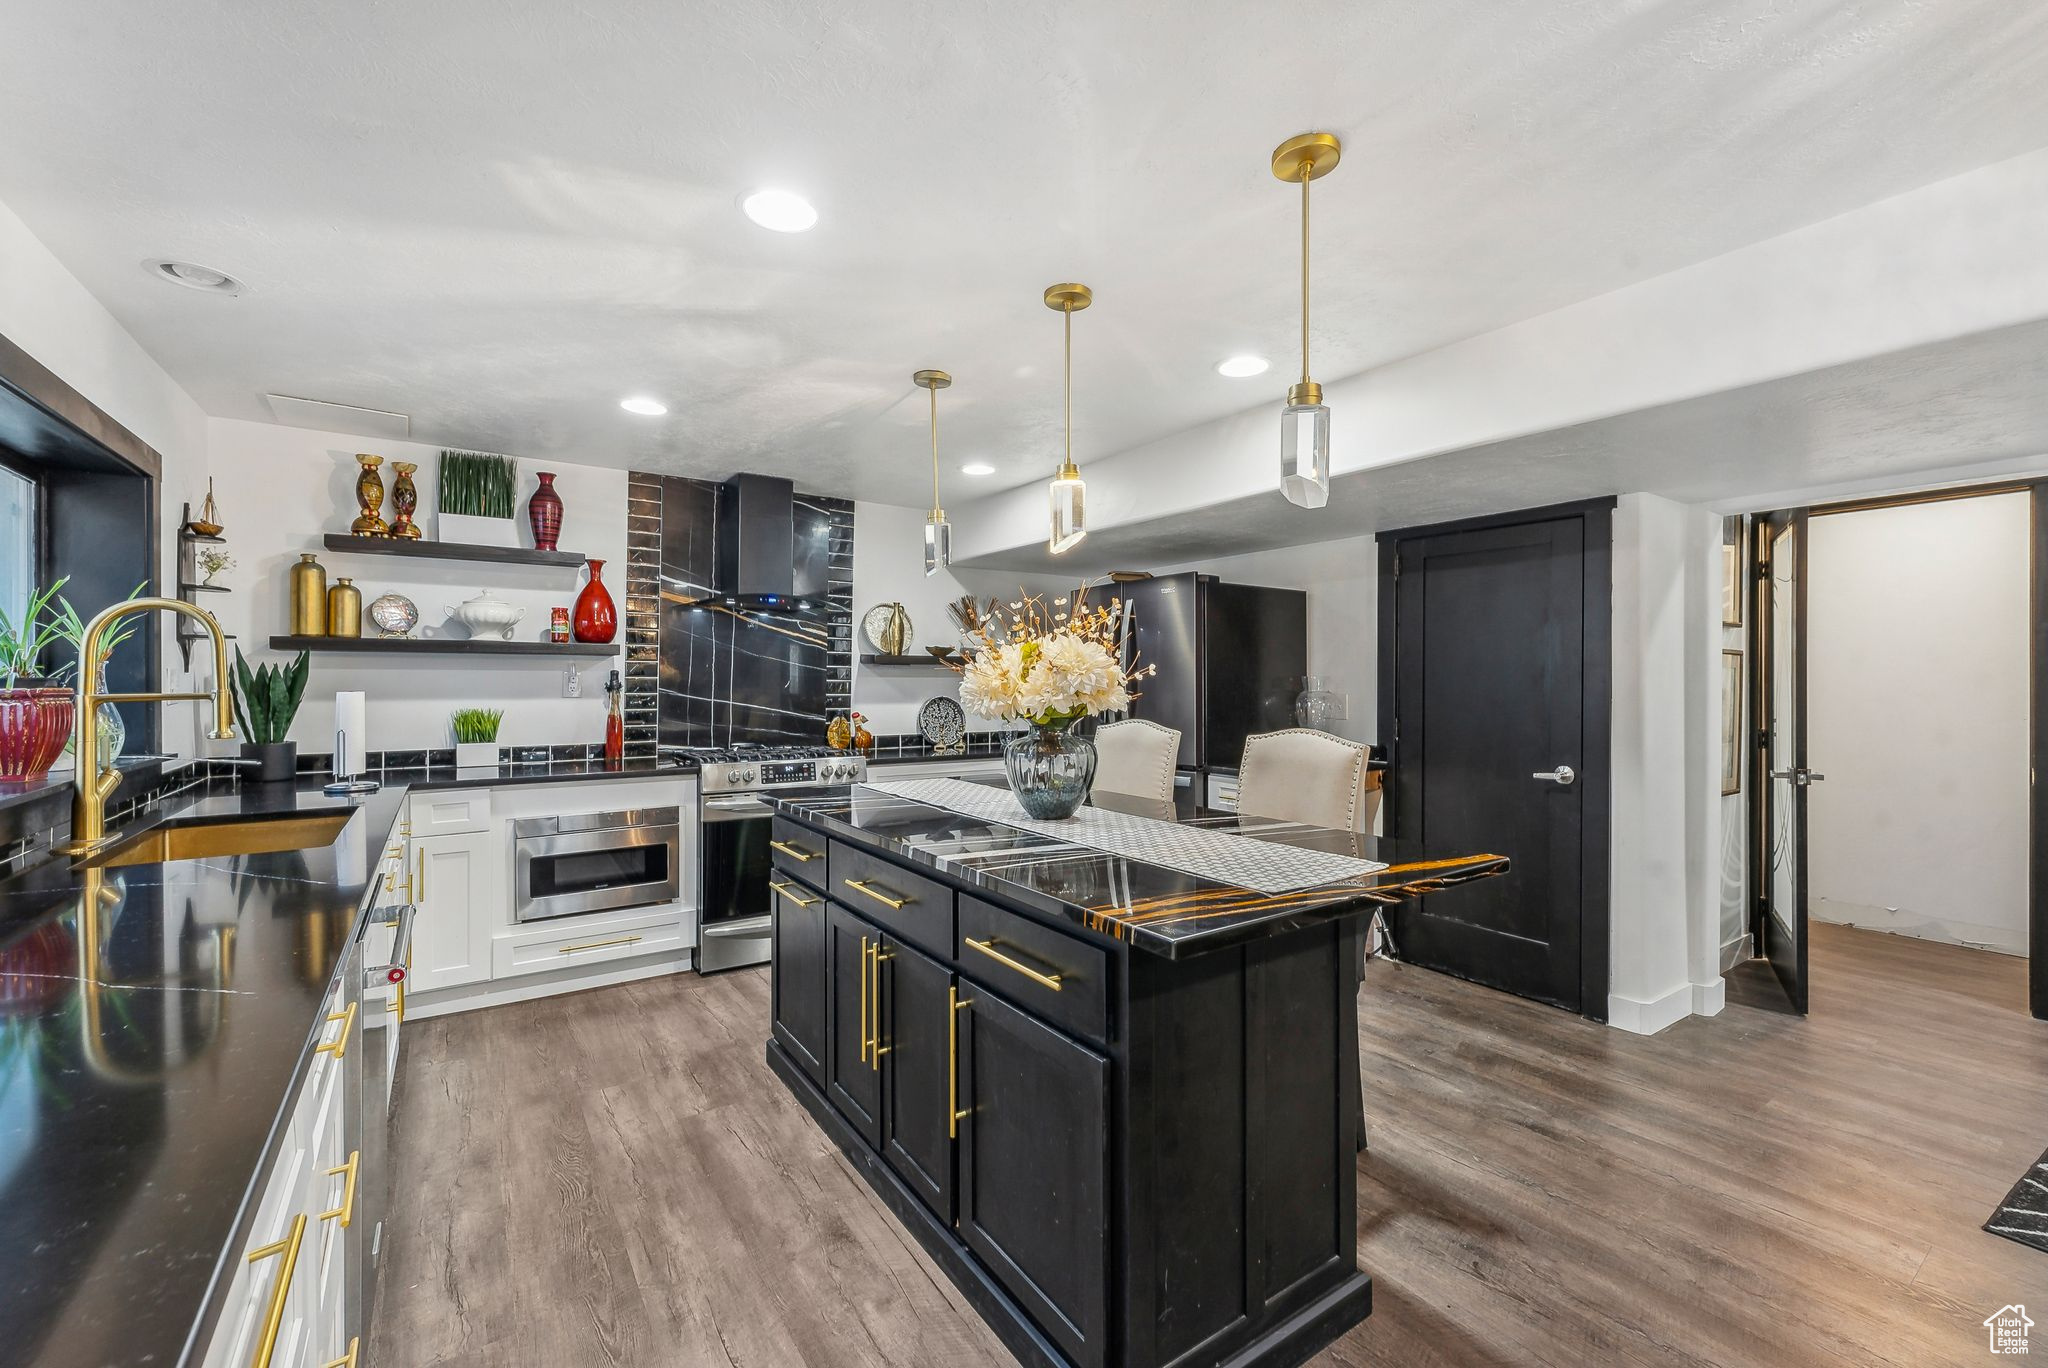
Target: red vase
{"x":33,"y":726}
{"x":597,"y":617}
{"x":544,"y":511}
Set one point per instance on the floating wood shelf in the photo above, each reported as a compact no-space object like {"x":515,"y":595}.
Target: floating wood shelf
{"x":185,"y":588}
{"x":926,"y":659}
{"x":403,"y":646}
{"x":453,"y":551}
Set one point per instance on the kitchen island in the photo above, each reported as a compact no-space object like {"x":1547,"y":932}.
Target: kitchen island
{"x":1116,"y":1101}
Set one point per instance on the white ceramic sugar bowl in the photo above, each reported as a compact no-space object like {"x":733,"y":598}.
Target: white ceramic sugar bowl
{"x":487,"y":616}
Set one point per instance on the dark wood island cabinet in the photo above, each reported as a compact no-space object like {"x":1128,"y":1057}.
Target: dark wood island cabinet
{"x":1117,"y":1103}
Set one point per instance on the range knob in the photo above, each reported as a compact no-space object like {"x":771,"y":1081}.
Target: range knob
{"x":747,"y":775}
{"x":733,"y":776}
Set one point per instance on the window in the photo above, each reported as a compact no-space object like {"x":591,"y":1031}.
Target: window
{"x":17,"y":541}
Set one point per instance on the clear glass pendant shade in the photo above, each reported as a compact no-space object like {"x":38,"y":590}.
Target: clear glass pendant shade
{"x":1069,"y":519}
{"x":1305,"y":454}
{"x":938,"y":543}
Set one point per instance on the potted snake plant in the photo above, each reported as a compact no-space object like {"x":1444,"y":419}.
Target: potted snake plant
{"x":266,"y":701}
{"x":36,"y":705}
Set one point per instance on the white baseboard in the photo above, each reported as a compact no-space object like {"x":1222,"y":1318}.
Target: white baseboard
{"x":1648,"y":1018}
{"x":1735,"y":951}
{"x":527,"y":987}
{"x":1709,"y":998}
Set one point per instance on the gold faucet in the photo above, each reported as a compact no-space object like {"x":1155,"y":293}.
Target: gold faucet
{"x":94,"y":785}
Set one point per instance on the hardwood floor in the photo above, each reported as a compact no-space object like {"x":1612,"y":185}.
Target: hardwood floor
{"x":615,"y":1178}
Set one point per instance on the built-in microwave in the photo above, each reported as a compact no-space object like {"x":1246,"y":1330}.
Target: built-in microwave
{"x":595,"y":862}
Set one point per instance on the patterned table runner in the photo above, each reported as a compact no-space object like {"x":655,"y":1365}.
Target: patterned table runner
{"x":1221,"y":856}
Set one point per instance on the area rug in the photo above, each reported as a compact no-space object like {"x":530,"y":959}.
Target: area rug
{"x":2023,"y":1215}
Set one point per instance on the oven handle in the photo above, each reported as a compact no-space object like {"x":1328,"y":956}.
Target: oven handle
{"x":747,"y":809}
{"x":377,"y":975}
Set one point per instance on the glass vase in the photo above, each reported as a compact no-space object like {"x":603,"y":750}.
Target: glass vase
{"x":1050,"y":769}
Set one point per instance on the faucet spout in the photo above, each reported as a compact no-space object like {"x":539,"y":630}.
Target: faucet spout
{"x":93,"y":784}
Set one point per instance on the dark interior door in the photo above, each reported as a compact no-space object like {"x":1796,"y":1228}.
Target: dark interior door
{"x":1498,"y":726}
{"x":1781,"y":717}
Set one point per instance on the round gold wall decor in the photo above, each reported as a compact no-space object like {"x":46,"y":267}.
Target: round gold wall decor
{"x":1319,"y":152}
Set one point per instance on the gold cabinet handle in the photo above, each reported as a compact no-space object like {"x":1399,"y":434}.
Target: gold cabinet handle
{"x":597,"y":945}
{"x":346,"y":1212}
{"x":797,"y":853}
{"x":875,"y":1005}
{"x":273,"y":1318}
{"x":883,"y":898}
{"x":419,"y":878}
{"x":790,"y":892}
{"x":347,"y":1360}
{"x":988,"y":947}
{"x":338,"y":1047}
{"x":954,"y":1116}
{"x":864,"y":1041}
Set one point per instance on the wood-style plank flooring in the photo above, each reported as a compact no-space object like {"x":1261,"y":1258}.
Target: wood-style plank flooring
{"x":614,"y":1177}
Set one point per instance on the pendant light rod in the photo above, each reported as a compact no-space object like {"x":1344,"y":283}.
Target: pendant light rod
{"x":1068,"y":315}
{"x":934,"y":381}
{"x":1303,"y":158}
{"x":1306,"y":168}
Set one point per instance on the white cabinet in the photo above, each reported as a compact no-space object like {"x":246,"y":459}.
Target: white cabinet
{"x":449,"y":812}
{"x":454,"y":882}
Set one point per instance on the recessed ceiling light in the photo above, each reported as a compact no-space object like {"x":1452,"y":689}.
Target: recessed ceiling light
{"x":648,"y":408}
{"x":193,"y":276}
{"x":780,"y":210}
{"x":1238,"y":367}
{"x":977,"y":468}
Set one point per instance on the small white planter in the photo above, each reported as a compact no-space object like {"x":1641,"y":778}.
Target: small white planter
{"x":474,"y":754}
{"x":474,"y":531}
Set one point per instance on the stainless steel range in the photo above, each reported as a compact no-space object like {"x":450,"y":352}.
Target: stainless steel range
{"x":734,"y":859}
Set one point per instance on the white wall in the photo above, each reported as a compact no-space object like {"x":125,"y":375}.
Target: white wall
{"x":1917,"y":635}
{"x":1664,"y":895}
{"x":1342,"y":582}
{"x":281,"y":489}
{"x":46,"y":312}
{"x":888,"y":567}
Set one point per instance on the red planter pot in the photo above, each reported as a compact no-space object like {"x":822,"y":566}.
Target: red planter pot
{"x":597,"y":617}
{"x":33,"y":726}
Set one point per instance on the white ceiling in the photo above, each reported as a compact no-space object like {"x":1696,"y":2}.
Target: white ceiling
{"x":500,"y":218}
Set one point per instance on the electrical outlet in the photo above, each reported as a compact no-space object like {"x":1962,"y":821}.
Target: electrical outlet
{"x":572,"y":683}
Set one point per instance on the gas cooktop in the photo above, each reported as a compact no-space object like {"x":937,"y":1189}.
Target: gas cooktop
{"x":749,"y":768}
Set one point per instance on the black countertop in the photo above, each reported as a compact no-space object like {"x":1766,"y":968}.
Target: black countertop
{"x":139,"y":1105}
{"x":1163,"y":911}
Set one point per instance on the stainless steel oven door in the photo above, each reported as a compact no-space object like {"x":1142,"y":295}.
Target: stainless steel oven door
{"x":734,"y":924}
{"x":562,"y":873}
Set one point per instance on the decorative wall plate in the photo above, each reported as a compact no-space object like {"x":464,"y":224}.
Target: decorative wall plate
{"x":943,"y":722}
{"x":887,"y":628}
{"x":395,"y":615}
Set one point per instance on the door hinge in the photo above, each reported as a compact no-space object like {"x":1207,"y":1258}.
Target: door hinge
{"x":1397,"y":562}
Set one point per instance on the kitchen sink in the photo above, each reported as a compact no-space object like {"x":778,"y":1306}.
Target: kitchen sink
{"x":255,"y":836}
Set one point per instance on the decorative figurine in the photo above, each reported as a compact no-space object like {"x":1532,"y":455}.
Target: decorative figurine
{"x":207,"y":524}
{"x":405,"y":500}
{"x":839,"y":733}
{"x":370,"y":495}
{"x":597,"y":617}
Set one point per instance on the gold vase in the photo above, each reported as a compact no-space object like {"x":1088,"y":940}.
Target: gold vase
{"x":344,"y":609}
{"x":309,"y":597}
{"x":405,"y":499}
{"x":369,"y":494}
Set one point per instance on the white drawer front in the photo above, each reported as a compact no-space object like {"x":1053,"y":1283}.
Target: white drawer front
{"x":557,"y":946}
{"x":450,"y":814}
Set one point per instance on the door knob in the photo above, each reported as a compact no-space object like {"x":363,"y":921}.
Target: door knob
{"x":1563,"y":774}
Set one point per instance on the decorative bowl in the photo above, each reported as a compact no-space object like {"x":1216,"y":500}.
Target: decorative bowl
{"x":395,"y":615}
{"x":487,"y":616}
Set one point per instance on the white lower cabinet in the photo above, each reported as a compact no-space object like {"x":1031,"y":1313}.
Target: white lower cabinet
{"x":454,"y":880}
{"x":287,"y":1300}
{"x":542,"y":947}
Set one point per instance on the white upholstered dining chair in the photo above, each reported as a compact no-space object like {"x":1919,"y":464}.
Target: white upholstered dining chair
{"x":1136,"y":757}
{"x":1302,"y":775}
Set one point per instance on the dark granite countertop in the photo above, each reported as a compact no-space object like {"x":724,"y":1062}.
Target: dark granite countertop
{"x":138,"y":1111}
{"x":1163,"y":911}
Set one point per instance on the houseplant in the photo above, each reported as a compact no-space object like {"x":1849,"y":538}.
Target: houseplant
{"x":1048,"y":664}
{"x":266,"y":701}
{"x":35,"y":706}
{"x":476,"y":735}
{"x":475,"y":494}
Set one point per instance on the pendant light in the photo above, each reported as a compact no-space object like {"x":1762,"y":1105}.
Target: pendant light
{"x":938,"y":533}
{"x":1305,"y":423}
{"x":1069,"y":519}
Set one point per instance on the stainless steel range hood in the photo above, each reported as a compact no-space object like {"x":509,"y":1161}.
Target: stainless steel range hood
{"x":763,"y":559}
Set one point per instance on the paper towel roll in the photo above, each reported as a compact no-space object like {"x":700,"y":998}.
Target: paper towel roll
{"x":351,"y":748}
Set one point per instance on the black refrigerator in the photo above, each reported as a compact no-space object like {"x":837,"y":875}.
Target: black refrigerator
{"x":1231,"y":659}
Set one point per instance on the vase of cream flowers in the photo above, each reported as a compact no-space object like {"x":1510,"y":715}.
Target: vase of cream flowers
{"x":1048,"y":664}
